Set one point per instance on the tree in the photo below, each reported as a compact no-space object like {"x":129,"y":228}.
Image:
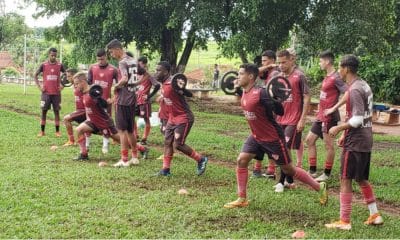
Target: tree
{"x":12,"y":27}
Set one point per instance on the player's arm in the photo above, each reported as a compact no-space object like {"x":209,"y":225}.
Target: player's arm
{"x":124,"y":76}
{"x":306,"y":103}
{"x":36,"y":77}
{"x":62,"y":70}
{"x":337,"y":105}
{"x":90,"y":76}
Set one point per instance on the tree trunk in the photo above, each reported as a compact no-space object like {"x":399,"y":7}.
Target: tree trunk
{"x":187,"y":51}
{"x":168,"y":49}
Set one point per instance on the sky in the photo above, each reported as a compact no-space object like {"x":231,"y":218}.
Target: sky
{"x":28,"y":11}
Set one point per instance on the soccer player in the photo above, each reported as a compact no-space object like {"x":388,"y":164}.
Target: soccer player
{"x":266,"y":137}
{"x":104,"y":74}
{"x":180,"y":121}
{"x":97,"y":118}
{"x":51,"y":90}
{"x":357,"y":143}
{"x":267,"y":71}
{"x":295,"y":109}
{"x":331,"y":88}
{"x":143,"y":97}
{"x":125,"y":104}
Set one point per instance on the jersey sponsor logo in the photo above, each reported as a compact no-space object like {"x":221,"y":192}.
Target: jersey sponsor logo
{"x":102,"y":83}
{"x":168,"y":101}
{"x":323,"y":95}
{"x":51,"y":77}
{"x":251,"y":116}
{"x":88,"y":110}
{"x":52,"y":70}
{"x":77,"y":99}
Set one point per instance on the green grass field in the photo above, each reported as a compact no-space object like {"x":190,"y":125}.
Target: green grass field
{"x":44,"y":194}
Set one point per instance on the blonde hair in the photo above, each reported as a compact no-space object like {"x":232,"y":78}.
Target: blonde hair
{"x":80,"y":76}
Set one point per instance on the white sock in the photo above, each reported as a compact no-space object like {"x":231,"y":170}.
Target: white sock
{"x":87,"y":141}
{"x":372,"y":208}
{"x":105,"y":142}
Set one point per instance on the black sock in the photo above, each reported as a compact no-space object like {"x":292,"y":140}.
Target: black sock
{"x":57,"y":128}
{"x":328,"y":171}
{"x":282,"y":178}
{"x":289,"y":179}
{"x":42,"y":127}
{"x":313,"y":168}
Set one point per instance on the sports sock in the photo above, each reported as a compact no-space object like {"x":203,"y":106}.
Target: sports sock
{"x":242,"y":177}
{"x":124,"y":155}
{"x":299,"y":155}
{"x":82,"y":145}
{"x":345,"y":206}
{"x":195,"y":155}
{"x":369,"y":198}
{"x":313,"y":164}
{"x":167,"y":162}
{"x":304,"y":177}
{"x":105,"y":142}
{"x":257,"y":166}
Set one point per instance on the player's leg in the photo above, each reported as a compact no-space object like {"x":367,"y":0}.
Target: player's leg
{"x":330,"y":151}
{"x":311,"y":139}
{"x":68,"y":126}
{"x":146,"y":113}
{"x":168,"y":150}
{"x":121,"y":113}
{"x":56,"y":102}
{"x":45,"y":106}
{"x":85,"y":127}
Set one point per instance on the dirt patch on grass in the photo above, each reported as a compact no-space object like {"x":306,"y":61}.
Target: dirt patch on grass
{"x":382,"y":146}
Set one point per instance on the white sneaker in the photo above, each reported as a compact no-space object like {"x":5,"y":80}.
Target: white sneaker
{"x":104,"y":149}
{"x":121,"y":163}
{"x":279,"y":188}
{"x":134,"y":161}
{"x":322,"y":178}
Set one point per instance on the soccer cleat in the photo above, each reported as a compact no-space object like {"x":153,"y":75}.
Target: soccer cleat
{"x":58,"y":134}
{"x":143,"y":142}
{"x":69,"y":143}
{"x":322,"y":178}
{"x":145,"y":153}
{"x":82,"y":157}
{"x":279,"y":188}
{"x":339,"y":225}
{"x":122,"y":163}
{"x":104,"y":149}
{"x":374,"y":219}
{"x":41,"y":134}
{"x":164,"y":172}
{"x":240,"y":202}
{"x":270,"y":175}
{"x":323,"y":193}
{"x":134,"y":161}
{"x":313,"y":174}
{"x":201,"y":165}
{"x":256,"y":174}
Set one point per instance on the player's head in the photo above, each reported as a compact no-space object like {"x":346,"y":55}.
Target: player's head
{"x":247,"y":74}
{"x":101,"y":57}
{"x":163,"y":70}
{"x":80,"y":81}
{"x":268,"y":57}
{"x":142,"y":61}
{"x":348,"y":65}
{"x":285,"y":60}
{"x":52,"y":55}
{"x":70,"y":72}
{"x":326,"y":59}
{"x":115,"y":49}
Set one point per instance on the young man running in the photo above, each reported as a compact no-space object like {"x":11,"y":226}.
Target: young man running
{"x":266,"y":137}
{"x":51,"y":90}
{"x":357,"y":144}
{"x":332,"y":87}
{"x":180,"y":121}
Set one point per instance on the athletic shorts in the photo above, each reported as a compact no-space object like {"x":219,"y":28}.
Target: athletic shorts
{"x":319,"y":128}
{"x":355,"y":165}
{"x":109,"y":109}
{"x":276,"y":150}
{"x":177,"y":132}
{"x":78,"y":116}
{"x":106,"y":132}
{"x":143,"y":110}
{"x":163,"y":125}
{"x":125,"y":117}
{"x":50,"y":100}
{"x":292,"y":137}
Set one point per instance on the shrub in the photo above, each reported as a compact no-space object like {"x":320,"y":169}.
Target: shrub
{"x":10,"y":72}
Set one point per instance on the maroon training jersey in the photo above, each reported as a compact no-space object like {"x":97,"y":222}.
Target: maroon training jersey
{"x":176,"y":106}
{"x":95,"y":114}
{"x":79,"y":105}
{"x":51,"y":77}
{"x":270,"y":74}
{"x":331,"y":88}
{"x":143,"y":89}
{"x":261,"y":127}
{"x":293,"y":106}
{"x":359,"y":103}
{"x":126,"y":95}
{"x":103,"y":76}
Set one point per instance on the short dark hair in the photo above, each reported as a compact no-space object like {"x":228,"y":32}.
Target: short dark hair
{"x":283,"y":53}
{"x":52,"y":50}
{"x":350,"y":61}
{"x":269,"y":54}
{"x":143,"y":59}
{"x":141,"y":71}
{"x":114,"y":44}
{"x":101,"y":52}
{"x":327,"y":55}
{"x":166,"y":65}
{"x":129,"y":54}
{"x":73,"y":71}
{"x":251,"y":69}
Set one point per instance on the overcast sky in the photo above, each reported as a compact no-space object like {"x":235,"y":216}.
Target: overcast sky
{"x":28,"y":11}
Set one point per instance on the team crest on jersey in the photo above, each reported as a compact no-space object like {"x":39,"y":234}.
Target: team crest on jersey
{"x":101,"y":74}
{"x":52,"y":70}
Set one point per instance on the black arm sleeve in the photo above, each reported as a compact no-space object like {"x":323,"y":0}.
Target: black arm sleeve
{"x":155,"y":90}
{"x":187,"y":93}
{"x":270,"y":105}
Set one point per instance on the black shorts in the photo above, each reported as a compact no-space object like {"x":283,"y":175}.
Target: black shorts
{"x":124,"y":117}
{"x":319,"y":128}
{"x":276,"y":150}
{"x":163,"y":125}
{"x":47,"y":100}
{"x":177,"y":132}
{"x":292,"y":137}
{"x":78,"y":116}
{"x":143,"y":110}
{"x":106,"y":132}
{"x":355,"y":165}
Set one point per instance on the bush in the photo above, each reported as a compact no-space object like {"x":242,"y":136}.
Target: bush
{"x":10,"y":72}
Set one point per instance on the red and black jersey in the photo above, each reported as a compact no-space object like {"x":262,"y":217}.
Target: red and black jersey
{"x":263,"y":127}
{"x":270,"y":74}
{"x":96,"y":114}
{"x":51,"y":77}
{"x":143,"y":89}
{"x":103,"y":76}
{"x":176,"y":106}
{"x":293,"y":106}
{"x":331,"y":88}
{"x":79,"y":105}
